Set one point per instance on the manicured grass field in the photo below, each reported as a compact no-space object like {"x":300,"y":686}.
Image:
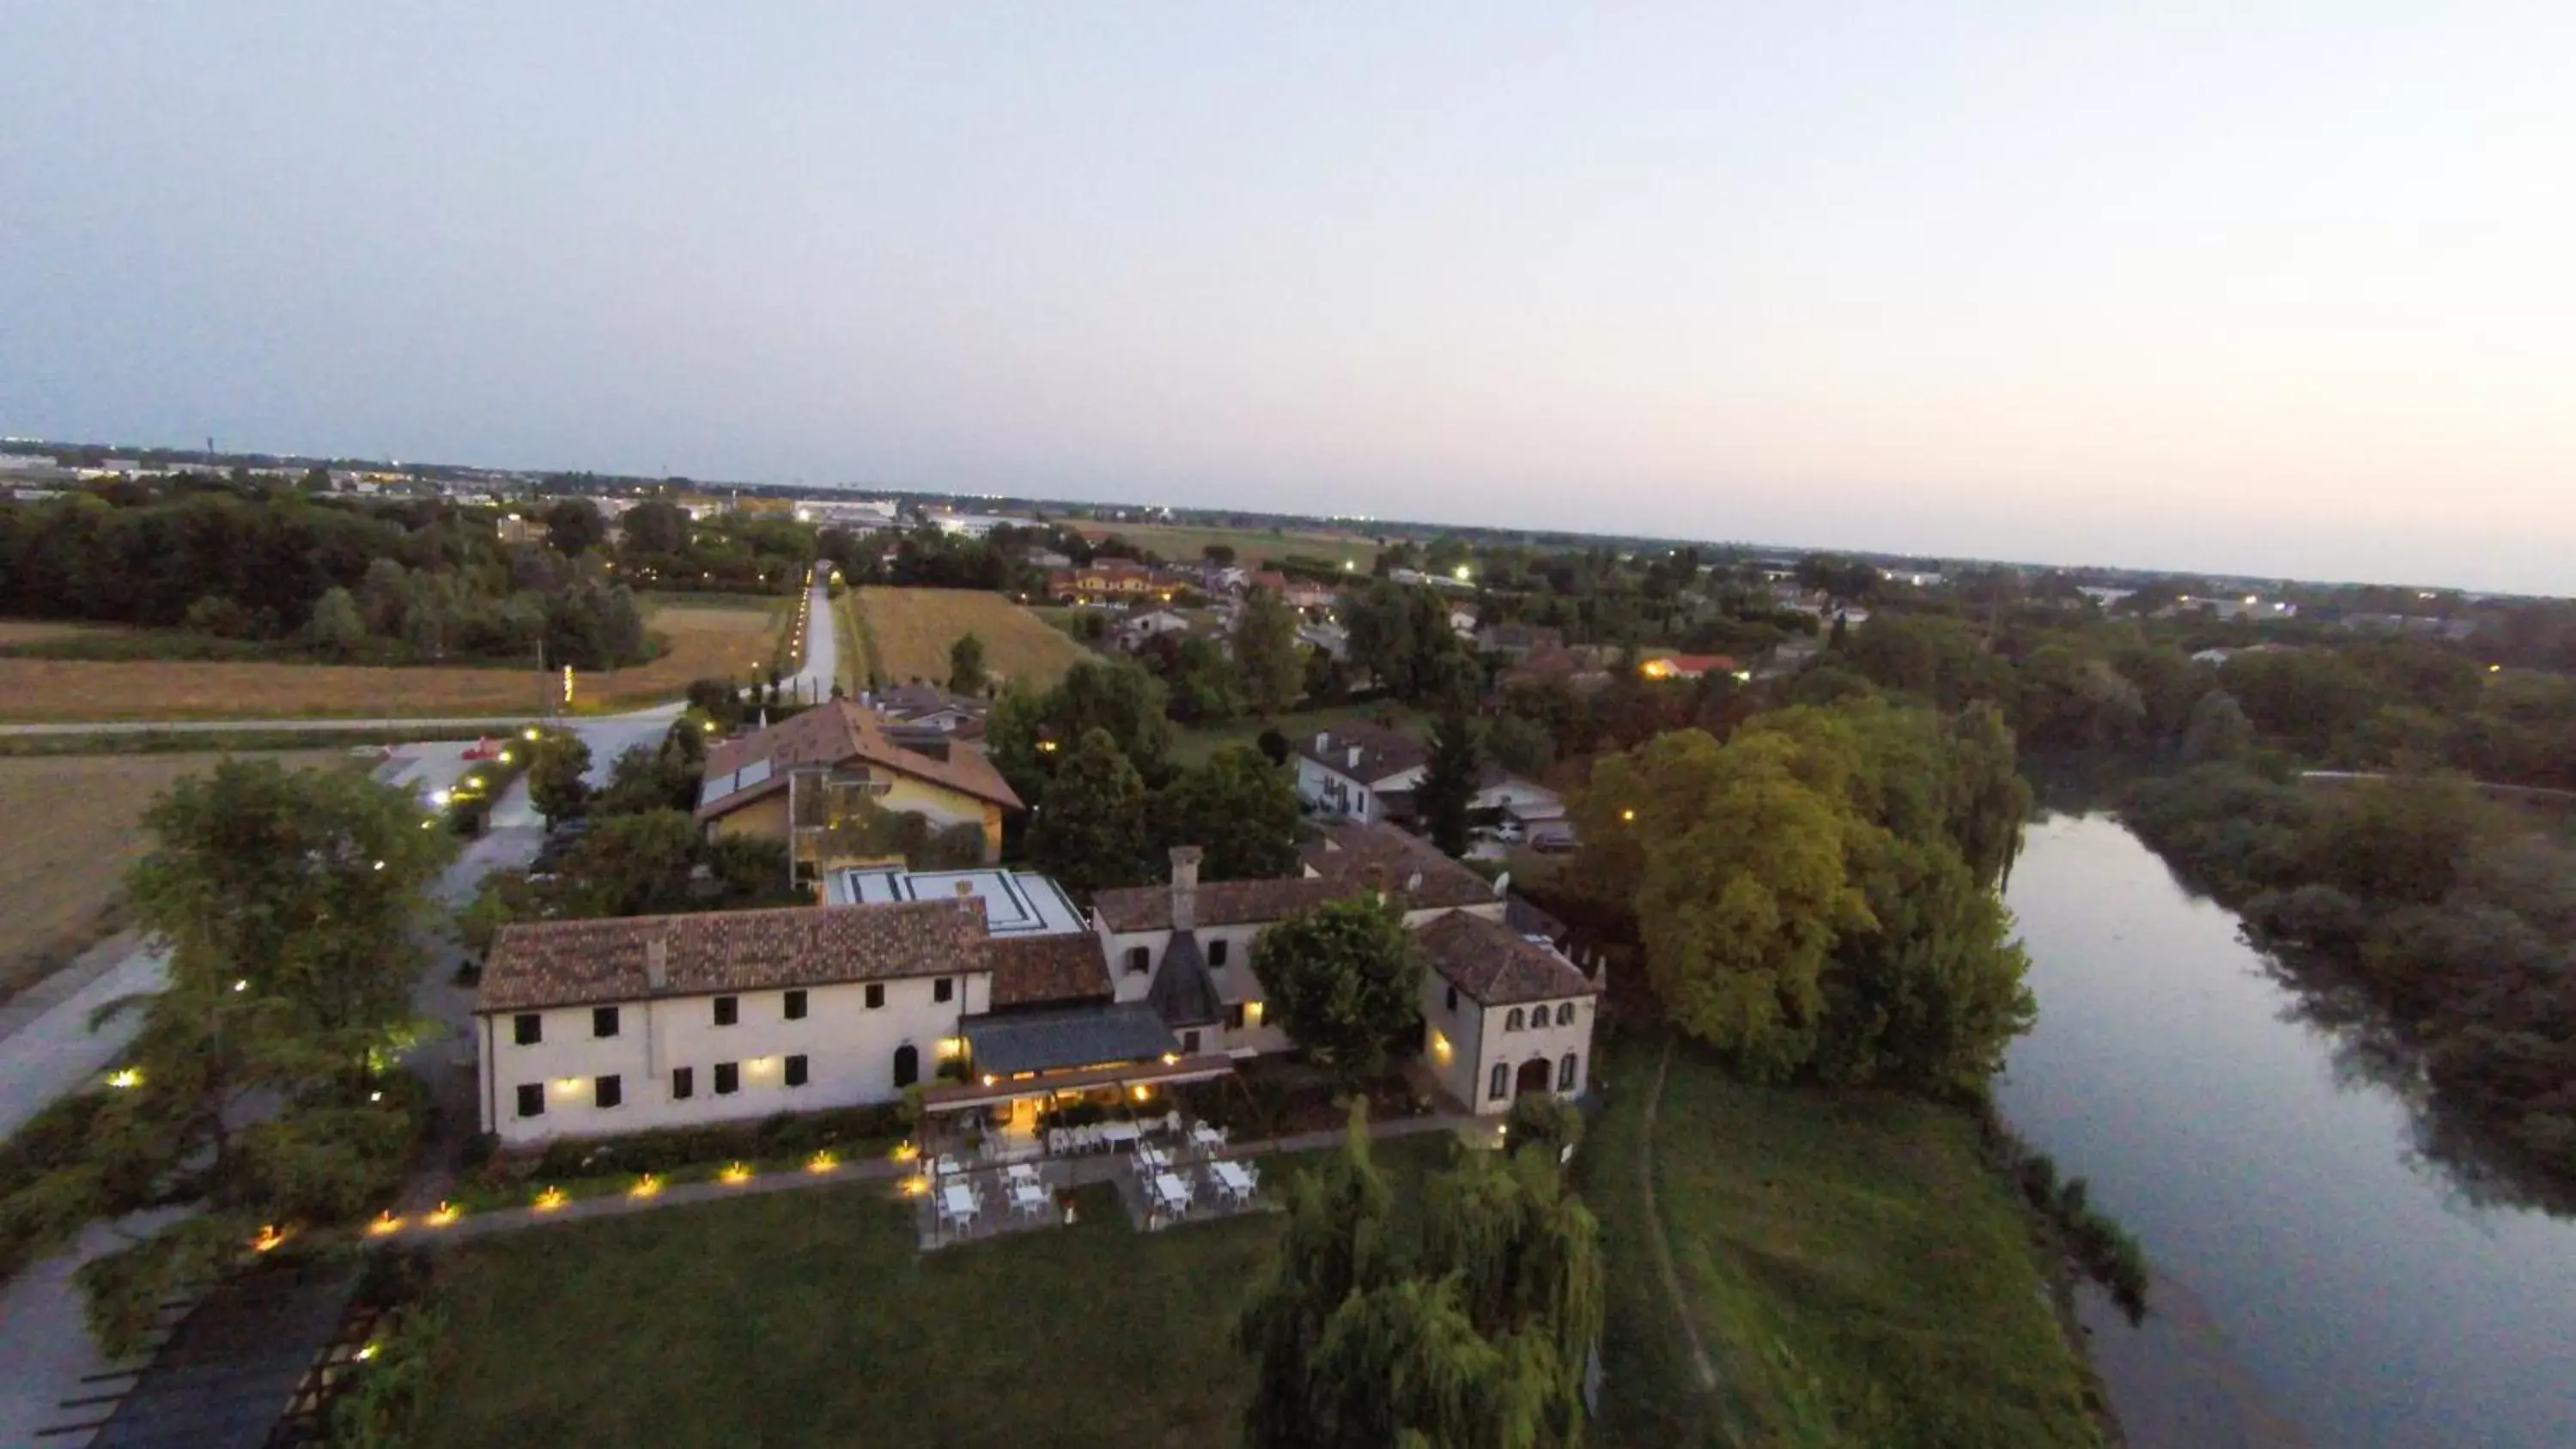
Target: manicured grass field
{"x":79,"y":825}
{"x":705,"y":642}
{"x":808,"y":1318}
{"x":910,"y":631}
{"x":1854,"y":1272}
{"x":1252,"y":546}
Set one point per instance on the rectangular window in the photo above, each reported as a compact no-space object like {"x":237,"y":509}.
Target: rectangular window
{"x":1453,"y":999}
{"x":943,"y":989}
{"x":603,"y":1021}
{"x":684,"y":1083}
{"x":527,"y":1029}
{"x":1189,"y":1043}
{"x":796,"y":1070}
{"x":728,"y":1078}
{"x":1234,"y":1017}
{"x":607,"y":1091}
{"x":728,"y":1010}
{"x":1138,"y":960}
{"x":876,"y":995}
{"x":532,"y":1100}
{"x":1216,"y":951}
{"x":796,"y":1006}
{"x":1500,"y":1085}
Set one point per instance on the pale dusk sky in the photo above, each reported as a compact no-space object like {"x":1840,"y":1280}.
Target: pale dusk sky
{"x":2262,"y":288}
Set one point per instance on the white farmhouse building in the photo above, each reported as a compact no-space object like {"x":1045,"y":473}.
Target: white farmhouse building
{"x":1351,"y":771}
{"x":1502,"y":1013}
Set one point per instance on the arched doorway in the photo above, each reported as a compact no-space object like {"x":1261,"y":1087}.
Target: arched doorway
{"x":1534,"y":1077}
{"x":907,"y":1066}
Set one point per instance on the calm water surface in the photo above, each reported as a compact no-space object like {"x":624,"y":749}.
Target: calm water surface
{"x":2318,"y":1282}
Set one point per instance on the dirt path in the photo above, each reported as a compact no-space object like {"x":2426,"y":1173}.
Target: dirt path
{"x":1655,"y":1229}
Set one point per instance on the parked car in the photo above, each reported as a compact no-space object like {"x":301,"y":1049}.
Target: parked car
{"x":486,"y":748}
{"x":1553,"y":840}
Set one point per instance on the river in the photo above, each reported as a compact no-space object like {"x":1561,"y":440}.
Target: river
{"x":2318,"y":1282}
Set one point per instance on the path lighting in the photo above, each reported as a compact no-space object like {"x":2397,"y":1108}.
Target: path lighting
{"x":505,"y":757}
{"x":550,"y":1199}
{"x":386,"y":1222}
{"x":366,"y":1353}
{"x":532,"y":732}
{"x":645,"y":1186}
{"x":916,"y":1186}
{"x":1628,"y":814}
{"x":446,"y":1214}
{"x":268,"y":1239}
{"x":125,"y":1077}
{"x":822,"y":1161}
{"x":241,"y":986}
{"x":1139,"y":1090}
{"x":734,"y":1175}
{"x":906,"y":1151}
{"x":1461,"y":571}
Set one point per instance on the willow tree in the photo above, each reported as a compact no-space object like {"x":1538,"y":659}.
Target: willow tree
{"x":1473,"y":1330}
{"x":252,"y":1091}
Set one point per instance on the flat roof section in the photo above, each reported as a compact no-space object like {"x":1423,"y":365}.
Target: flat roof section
{"x":1079,"y":1036}
{"x":1016,"y":902}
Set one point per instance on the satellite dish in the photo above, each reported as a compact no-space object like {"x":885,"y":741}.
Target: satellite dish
{"x":1502,"y":883}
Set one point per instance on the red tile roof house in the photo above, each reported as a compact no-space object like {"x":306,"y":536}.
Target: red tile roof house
{"x":795,"y":780}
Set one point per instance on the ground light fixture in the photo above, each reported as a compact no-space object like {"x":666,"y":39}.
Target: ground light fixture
{"x":125,"y":1077}
{"x":550,"y":1199}
{"x":646,"y":1185}
{"x":386,"y":1222}
{"x":734,"y":1175}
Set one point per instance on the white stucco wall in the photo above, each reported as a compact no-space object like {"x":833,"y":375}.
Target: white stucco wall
{"x":849,"y":1051}
{"x":1477,"y":1043}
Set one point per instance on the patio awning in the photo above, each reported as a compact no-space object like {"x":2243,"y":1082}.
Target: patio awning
{"x":1099,"y":1034}
{"x":984,"y":1092}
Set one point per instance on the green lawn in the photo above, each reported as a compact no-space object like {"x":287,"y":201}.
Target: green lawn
{"x":1857,"y":1276}
{"x":1193,"y":746}
{"x":807,"y":1317}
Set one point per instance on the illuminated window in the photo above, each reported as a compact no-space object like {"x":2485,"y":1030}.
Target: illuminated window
{"x":728,"y":1010}
{"x":532,"y":1100}
{"x":728,"y":1078}
{"x":607,"y":1091}
{"x":796,"y":1069}
{"x":796,"y":1006}
{"x":527,"y":1029}
{"x":684,"y":1083}
{"x":1499,"y":1085}
{"x":603,"y":1021}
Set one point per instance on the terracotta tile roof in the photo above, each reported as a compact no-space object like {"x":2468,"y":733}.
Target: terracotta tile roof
{"x":843,"y":731}
{"x":1496,"y":965}
{"x":1032,"y":970}
{"x":1383,"y":751}
{"x":571,"y":963}
{"x":1349,"y":859}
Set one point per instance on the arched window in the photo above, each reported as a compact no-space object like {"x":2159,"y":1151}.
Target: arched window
{"x":907,"y":1066}
{"x":1513,"y":1021}
{"x":1500,"y":1086}
{"x":1566,"y":1071}
{"x":1565,"y":1014}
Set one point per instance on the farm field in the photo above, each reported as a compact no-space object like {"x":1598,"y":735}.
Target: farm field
{"x":909,"y":632}
{"x":1252,"y":546}
{"x":725,"y":640}
{"x":60,"y":880}
{"x":38,"y":631}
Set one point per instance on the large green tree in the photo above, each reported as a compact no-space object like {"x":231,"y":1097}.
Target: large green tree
{"x":1472,"y":1330}
{"x":1239,"y":808}
{"x":1344,"y":979}
{"x":1030,"y":733}
{"x":250,"y":1094}
{"x":1449,"y":783}
{"x":1265,"y":653}
{"x":558,"y":764}
{"x":1092,"y":829}
{"x":966,"y":665}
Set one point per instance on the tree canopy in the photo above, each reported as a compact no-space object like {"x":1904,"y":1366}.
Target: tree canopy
{"x":1092,"y":829}
{"x":1266,"y":654}
{"x":1449,"y":783}
{"x":1239,"y":808}
{"x":1344,"y":979}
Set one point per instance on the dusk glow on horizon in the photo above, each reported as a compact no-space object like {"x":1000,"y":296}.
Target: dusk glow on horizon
{"x":2272,"y":290}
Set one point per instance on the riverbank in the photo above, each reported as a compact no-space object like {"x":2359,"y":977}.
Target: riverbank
{"x":1857,"y":1272}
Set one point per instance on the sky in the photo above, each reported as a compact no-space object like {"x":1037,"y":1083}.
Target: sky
{"x":2279,"y":289}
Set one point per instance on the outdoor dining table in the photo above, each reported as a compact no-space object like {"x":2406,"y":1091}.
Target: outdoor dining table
{"x":1207,"y":1137}
{"x":1024,"y":1172}
{"x":1174,"y":1192}
{"x":1151,"y":1157}
{"x":960,"y":1202}
{"x":1114,"y":1133}
{"x":1233,"y":1178}
{"x":1028,"y":1197}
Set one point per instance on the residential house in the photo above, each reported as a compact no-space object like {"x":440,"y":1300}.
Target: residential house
{"x":1310,"y":596}
{"x":918,"y":706}
{"x":1518,"y":641}
{"x":1502,"y":1013}
{"x":1352,"y":771}
{"x":1112,"y":579}
{"x":799,"y":780}
{"x":1135,"y":630}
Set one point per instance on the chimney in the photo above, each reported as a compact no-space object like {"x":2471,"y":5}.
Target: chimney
{"x":1355,"y":757}
{"x":1323,"y":741}
{"x":657,"y":963}
{"x":1185,"y":887}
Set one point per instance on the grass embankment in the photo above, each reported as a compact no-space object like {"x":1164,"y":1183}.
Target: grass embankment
{"x":909,"y":632}
{"x":705,"y":642}
{"x":854,"y":671}
{"x":1858,"y":1275}
{"x":80,"y":823}
{"x":809,"y":1318}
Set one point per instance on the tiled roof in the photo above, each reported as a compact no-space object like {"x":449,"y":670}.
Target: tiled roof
{"x":571,"y":963}
{"x":1347,"y":860}
{"x":1496,"y":965}
{"x":1383,"y":751}
{"x":1182,"y":994}
{"x":1078,"y":1036}
{"x":1038,"y":970}
{"x":841,"y":731}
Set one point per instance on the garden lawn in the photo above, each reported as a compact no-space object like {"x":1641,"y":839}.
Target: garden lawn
{"x":1855,"y":1273}
{"x":808,"y":1318}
